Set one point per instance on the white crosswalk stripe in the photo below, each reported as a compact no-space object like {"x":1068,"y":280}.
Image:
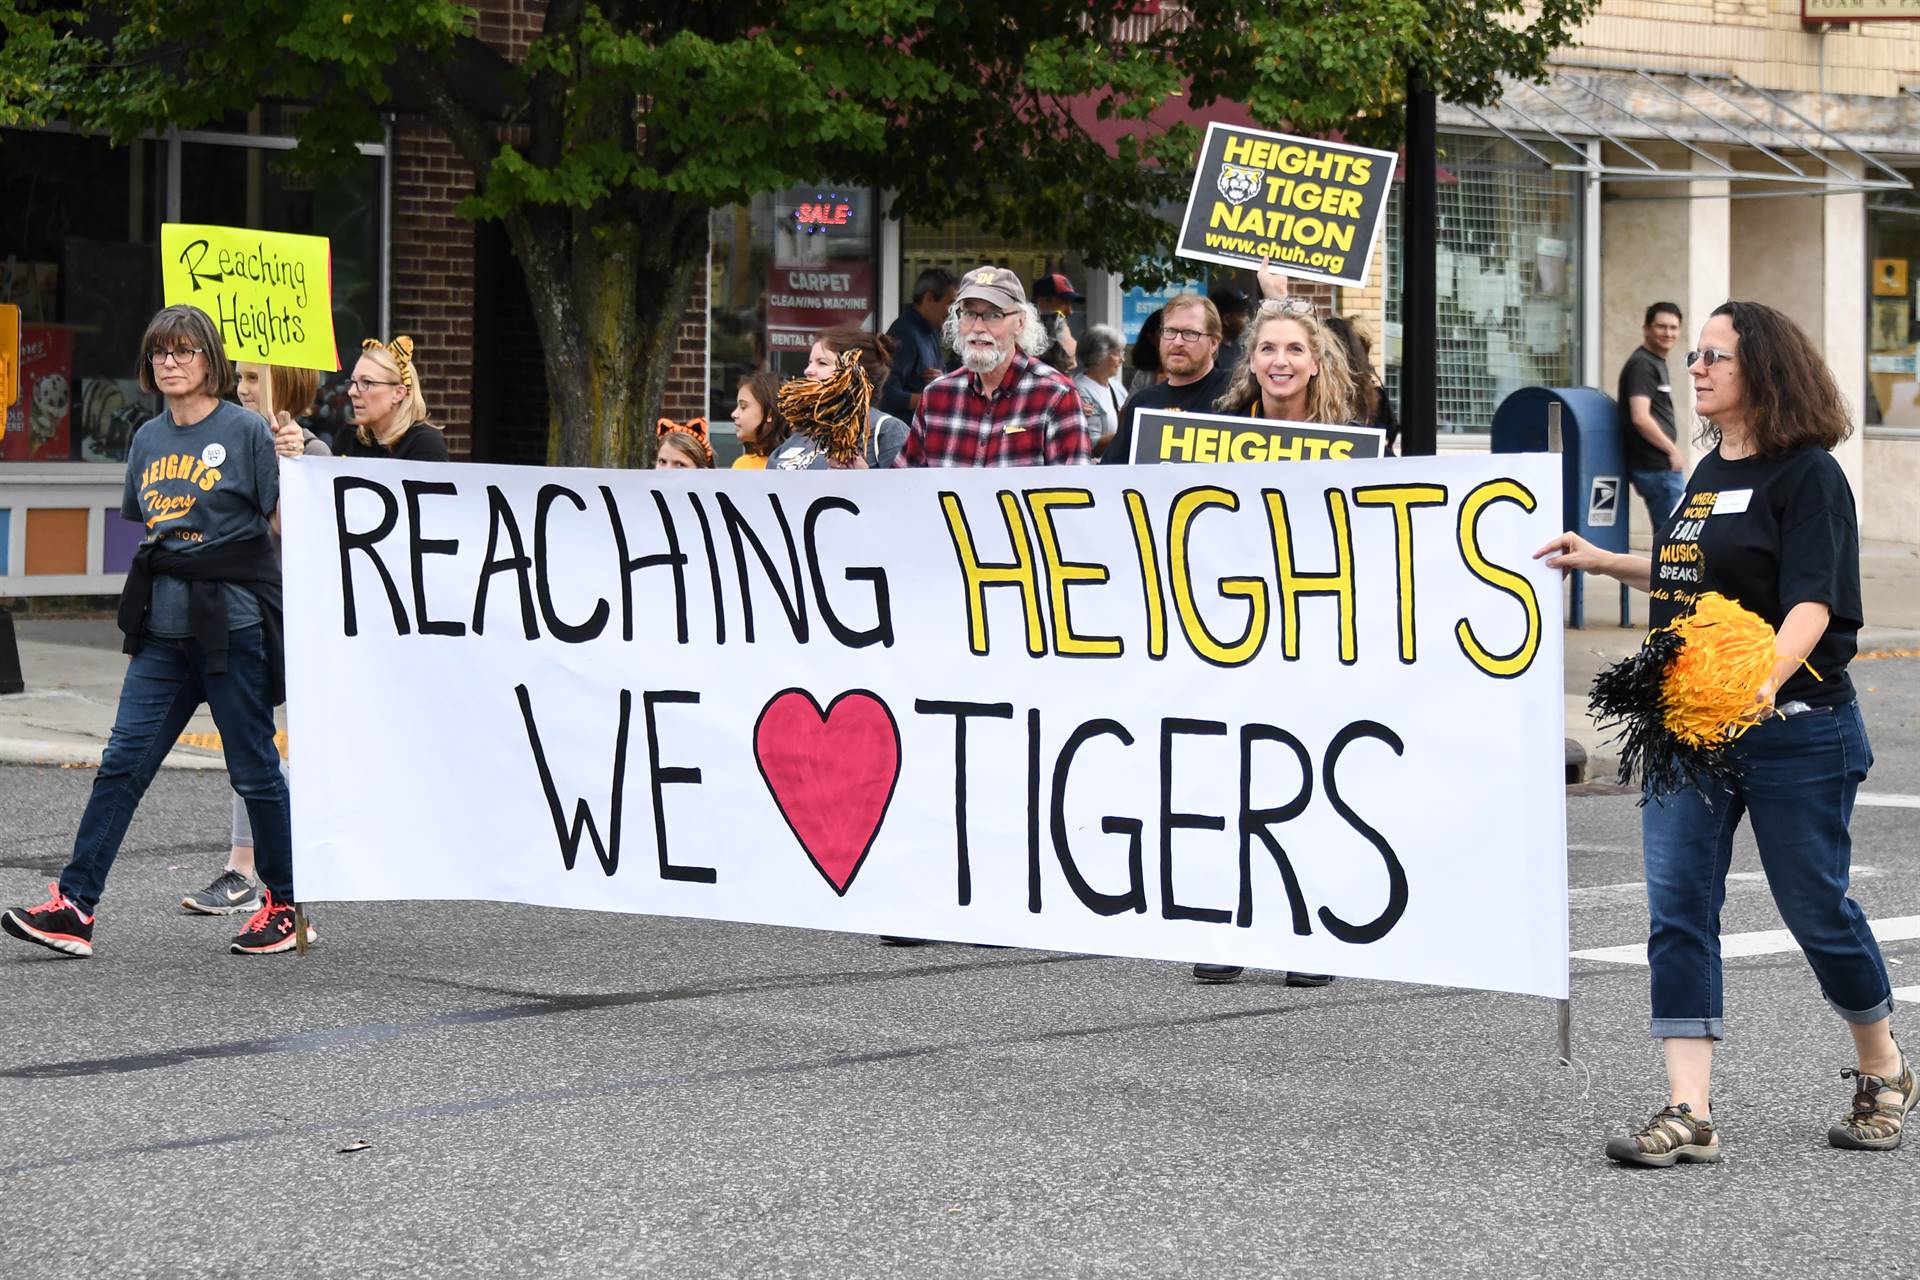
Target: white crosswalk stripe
{"x":1763,"y":942}
{"x":1888,"y":801}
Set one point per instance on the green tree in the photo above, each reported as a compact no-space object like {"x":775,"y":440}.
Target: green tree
{"x":627,"y":121}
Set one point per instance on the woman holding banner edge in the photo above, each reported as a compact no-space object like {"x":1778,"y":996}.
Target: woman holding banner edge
{"x":1776,"y":533}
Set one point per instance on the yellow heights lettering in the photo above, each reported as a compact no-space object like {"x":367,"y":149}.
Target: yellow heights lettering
{"x":180,"y":466}
{"x":1039,"y":572}
{"x":1295,"y":160}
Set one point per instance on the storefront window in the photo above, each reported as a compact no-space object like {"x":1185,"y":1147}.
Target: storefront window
{"x":80,"y":233}
{"x":963,"y":244}
{"x":78,"y":228}
{"x":1893,"y":303}
{"x":785,"y":267}
{"x":1507,"y":268}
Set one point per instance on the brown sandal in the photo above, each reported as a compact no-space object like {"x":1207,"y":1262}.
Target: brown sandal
{"x":1673,"y":1136}
{"x":1879,"y":1109}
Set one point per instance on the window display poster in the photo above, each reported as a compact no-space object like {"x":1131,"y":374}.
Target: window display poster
{"x":1889,"y":277}
{"x":40,"y":424}
{"x":1889,"y":324}
{"x":802,"y":301}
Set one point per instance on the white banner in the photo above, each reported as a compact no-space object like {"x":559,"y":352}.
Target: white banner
{"x":1301,"y":716}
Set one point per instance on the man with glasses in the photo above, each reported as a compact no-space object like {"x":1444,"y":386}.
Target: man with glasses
{"x":1189,"y":348}
{"x":1002,"y":407}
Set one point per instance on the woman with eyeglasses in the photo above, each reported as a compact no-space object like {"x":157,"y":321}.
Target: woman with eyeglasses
{"x":389,"y":410}
{"x":1768,"y":520}
{"x":201,"y":615}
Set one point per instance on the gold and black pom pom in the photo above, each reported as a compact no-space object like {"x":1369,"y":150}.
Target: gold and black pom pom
{"x":832,"y":413}
{"x":1680,"y":703}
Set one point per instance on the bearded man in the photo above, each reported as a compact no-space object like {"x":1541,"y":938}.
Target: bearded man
{"x":1002,"y":407}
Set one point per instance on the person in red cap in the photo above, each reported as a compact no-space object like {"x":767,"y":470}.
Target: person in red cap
{"x":1054,"y":296}
{"x":1002,"y":407}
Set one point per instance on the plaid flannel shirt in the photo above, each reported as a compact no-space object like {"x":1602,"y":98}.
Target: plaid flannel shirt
{"x":1034,"y":419}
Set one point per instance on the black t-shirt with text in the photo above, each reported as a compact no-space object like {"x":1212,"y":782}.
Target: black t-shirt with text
{"x":1645,"y":374}
{"x":1770,"y":533}
{"x":1194,"y":397}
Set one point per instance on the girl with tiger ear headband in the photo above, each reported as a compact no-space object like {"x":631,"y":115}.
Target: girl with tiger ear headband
{"x":388,"y":407}
{"x":683,"y":446}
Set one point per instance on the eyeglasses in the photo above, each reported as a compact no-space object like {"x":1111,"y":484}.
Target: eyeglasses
{"x":983,"y":317}
{"x":183,"y":356}
{"x":363,"y":384}
{"x":1185,"y":335}
{"x":1289,"y":306}
{"x":1707,"y":357}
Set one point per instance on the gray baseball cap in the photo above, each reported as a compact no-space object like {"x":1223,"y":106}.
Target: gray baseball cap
{"x":992,"y":284}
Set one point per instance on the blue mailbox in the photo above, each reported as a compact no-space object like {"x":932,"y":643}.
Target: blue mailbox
{"x":1593,"y":463}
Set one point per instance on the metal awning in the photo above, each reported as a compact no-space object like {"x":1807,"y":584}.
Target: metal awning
{"x":1627,"y":109}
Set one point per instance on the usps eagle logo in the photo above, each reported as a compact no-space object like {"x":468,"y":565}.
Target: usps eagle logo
{"x":1238,"y":183}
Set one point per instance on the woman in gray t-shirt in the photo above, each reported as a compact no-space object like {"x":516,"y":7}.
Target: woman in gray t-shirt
{"x":202,"y":616}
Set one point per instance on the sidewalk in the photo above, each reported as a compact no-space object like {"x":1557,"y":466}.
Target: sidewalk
{"x":73,"y":668}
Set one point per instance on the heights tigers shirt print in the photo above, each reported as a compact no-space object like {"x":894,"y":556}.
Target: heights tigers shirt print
{"x":197,"y":486}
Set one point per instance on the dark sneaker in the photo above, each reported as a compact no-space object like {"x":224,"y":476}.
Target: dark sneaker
{"x":1879,"y":1110}
{"x":229,"y":894}
{"x":56,"y":924}
{"x":891,"y":940}
{"x":1672,"y":1137}
{"x":1309,"y":979}
{"x":1217,"y":972}
{"x":270,"y":930}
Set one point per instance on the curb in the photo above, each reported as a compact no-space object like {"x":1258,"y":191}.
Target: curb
{"x":85,"y":756}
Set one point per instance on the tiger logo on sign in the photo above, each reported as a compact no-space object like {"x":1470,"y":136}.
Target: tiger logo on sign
{"x":1238,"y":183}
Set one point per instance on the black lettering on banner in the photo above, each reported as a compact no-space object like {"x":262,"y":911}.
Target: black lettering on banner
{"x":1382,"y":924}
{"x":609,"y":851}
{"x":1257,"y":824}
{"x":713,"y":569}
{"x":672,"y":558}
{"x":660,"y":776}
{"x":500,"y":516}
{"x":961,"y":712}
{"x":559,"y":629}
{"x":1171,"y":821}
{"x":1104,"y":904}
{"x":881,"y":632}
{"x":794,"y":601}
{"x":352,"y":542}
{"x":1033,"y":810}
{"x":420,"y":548}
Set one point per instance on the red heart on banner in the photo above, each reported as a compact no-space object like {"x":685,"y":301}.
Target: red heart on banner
{"x":831,"y":773}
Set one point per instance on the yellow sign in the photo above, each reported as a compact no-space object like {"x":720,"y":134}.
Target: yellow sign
{"x":9,"y":361}
{"x":269,"y":294}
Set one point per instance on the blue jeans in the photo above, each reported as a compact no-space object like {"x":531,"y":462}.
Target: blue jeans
{"x":1798,"y":778}
{"x":1661,"y":490}
{"x":166,"y":683}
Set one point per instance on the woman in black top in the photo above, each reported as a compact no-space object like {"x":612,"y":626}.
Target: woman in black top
{"x":1767,"y":520}
{"x":388,"y":409}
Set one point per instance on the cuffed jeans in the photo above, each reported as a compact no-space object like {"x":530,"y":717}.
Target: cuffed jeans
{"x":1798,"y":778}
{"x":166,"y":683}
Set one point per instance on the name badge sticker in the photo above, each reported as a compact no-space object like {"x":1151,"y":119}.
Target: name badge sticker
{"x":1731,"y":502}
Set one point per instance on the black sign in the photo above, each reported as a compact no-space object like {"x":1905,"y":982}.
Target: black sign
{"x":1161,"y":435}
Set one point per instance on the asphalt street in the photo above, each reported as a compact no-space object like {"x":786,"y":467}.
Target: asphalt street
{"x":616,"y":1095}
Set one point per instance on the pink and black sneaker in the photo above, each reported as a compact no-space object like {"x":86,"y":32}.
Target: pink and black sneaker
{"x":55,"y":924}
{"x":270,"y":930}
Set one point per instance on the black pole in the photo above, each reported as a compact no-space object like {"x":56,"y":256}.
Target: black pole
{"x":1419,"y":230}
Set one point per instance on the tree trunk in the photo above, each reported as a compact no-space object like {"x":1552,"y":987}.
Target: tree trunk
{"x":608,"y":294}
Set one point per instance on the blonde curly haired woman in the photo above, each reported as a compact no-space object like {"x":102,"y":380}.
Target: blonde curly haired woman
{"x":389,"y":411}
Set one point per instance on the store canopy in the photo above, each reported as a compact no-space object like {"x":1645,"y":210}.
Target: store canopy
{"x":1732,"y":131}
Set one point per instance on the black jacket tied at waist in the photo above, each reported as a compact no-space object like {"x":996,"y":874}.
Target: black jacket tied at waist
{"x":247,"y":562}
